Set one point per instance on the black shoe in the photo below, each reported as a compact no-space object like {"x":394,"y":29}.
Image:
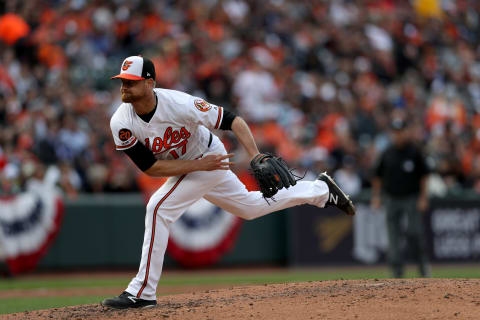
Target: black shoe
{"x":127,"y":300}
{"x":337,"y":197}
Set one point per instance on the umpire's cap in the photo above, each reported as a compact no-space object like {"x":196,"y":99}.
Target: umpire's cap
{"x":136,"y":68}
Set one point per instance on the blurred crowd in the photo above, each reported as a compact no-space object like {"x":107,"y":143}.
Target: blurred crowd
{"x":317,"y":80}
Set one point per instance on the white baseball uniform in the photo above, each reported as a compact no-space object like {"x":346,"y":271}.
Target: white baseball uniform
{"x":180,"y":129}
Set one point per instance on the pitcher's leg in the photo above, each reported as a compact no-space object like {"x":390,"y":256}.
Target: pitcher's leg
{"x":165,"y":206}
{"x":231,"y":195}
{"x":154,"y":242}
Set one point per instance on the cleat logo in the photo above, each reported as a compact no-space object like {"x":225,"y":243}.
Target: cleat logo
{"x":133,"y":299}
{"x":333,"y":198}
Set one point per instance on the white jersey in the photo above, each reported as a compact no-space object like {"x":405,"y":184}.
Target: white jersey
{"x":179,"y":129}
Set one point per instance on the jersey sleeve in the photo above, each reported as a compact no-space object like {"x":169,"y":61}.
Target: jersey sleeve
{"x":122,"y":134}
{"x":201,"y":112}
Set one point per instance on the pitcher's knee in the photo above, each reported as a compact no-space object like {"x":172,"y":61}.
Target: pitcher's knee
{"x":151,"y":205}
{"x":245,"y":215}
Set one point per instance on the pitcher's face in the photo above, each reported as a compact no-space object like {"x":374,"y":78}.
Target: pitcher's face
{"x":133,"y":90}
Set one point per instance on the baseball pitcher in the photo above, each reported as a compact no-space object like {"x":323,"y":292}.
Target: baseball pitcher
{"x":168,"y":133}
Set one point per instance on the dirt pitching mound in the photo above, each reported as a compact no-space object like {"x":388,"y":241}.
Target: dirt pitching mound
{"x":341,"y":299}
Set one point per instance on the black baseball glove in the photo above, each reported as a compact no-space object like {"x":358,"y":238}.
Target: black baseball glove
{"x":271,"y":174}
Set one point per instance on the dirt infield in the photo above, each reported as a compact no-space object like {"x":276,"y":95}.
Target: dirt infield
{"x":341,"y":299}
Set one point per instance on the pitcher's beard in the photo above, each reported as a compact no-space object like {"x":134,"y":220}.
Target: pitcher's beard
{"x":128,"y":98}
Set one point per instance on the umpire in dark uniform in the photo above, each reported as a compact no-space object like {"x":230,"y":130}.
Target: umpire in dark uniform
{"x":400,"y":181}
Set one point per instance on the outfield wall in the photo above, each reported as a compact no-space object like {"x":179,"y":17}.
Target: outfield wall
{"x":107,"y":231}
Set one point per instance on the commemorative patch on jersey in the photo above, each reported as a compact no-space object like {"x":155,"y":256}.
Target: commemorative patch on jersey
{"x":124,"y":134}
{"x":202,"y":105}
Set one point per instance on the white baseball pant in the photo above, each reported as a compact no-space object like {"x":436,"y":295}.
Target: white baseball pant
{"x":222,"y":188}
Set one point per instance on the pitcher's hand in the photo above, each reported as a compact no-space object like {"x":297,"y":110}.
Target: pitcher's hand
{"x":215,"y":162}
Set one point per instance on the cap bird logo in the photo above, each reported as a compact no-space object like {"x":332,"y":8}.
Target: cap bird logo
{"x":202,"y":105}
{"x":126,"y":65}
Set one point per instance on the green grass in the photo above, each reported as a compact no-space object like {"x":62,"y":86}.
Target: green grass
{"x":13,"y":305}
{"x":61,"y":282}
{"x":237,"y":278}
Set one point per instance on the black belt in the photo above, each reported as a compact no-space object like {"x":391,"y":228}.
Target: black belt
{"x":210,"y":140}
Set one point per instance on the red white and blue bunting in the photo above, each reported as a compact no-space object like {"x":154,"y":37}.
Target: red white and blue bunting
{"x":202,"y":235}
{"x":29,"y":223}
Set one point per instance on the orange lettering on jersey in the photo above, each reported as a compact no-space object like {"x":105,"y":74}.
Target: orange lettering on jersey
{"x":184,"y":133}
{"x":166,"y":138}
{"x":172,"y":139}
{"x":126,"y":65}
{"x":157,"y":144}
{"x":175,"y":136}
{"x":174,"y":154}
